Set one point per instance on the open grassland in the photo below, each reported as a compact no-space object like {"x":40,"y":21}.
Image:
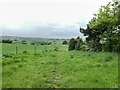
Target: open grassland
{"x":58,"y":68}
{"x":11,"y":48}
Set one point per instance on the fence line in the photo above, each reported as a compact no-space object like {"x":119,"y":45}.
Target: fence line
{"x":17,"y":49}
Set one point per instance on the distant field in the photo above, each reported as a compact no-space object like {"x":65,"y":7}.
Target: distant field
{"x":62,"y":68}
{"x":11,"y":48}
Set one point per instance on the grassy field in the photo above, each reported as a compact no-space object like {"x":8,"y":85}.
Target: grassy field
{"x":58,"y":68}
{"x":11,"y":48}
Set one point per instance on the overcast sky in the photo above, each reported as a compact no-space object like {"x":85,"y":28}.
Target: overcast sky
{"x":46,"y":18}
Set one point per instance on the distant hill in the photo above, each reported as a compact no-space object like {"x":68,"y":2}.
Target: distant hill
{"x":29,"y":38}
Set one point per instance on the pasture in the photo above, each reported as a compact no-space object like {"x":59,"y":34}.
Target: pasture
{"x":51,"y":68}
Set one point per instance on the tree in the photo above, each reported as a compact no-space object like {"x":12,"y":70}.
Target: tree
{"x":65,"y":42}
{"x":72,"y":44}
{"x":103,"y":30}
{"x":79,"y":43}
{"x":77,"y":46}
{"x":6,"y":41}
{"x":49,"y":43}
{"x":32,"y":43}
{"x":24,"y":42}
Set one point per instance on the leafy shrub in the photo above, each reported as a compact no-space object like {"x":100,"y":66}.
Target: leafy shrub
{"x":10,"y":61}
{"x":108,"y":58}
{"x":53,"y":55}
{"x":83,"y":47}
{"x":49,"y":43}
{"x":72,"y":44}
{"x":16,"y":61}
{"x":77,"y":46}
{"x":24,"y":42}
{"x":42,"y":51}
{"x":6,"y":41}
{"x":32,"y":43}
{"x":6,"y":62}
{"x":38,"y":55}
{"x":14,"y":68}
{"x":20,"y":65}
{"x":25,"y":52}
{"x":7,"y":55}
{"x":45,"y":43}
{"x":71,"y":56}
{"x":65,"y":42}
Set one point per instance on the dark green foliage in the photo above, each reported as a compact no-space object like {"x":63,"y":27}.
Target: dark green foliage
{"x":41,"y":43}
{"x":20,"y":65}
{"x":103,"y":32}
{"x":65,"y":42}
{"x":49,"y":43}
{"x":83,"y":47}
{"x":9,"y":61}
{"x":6,"y":41}
{"x":79,"y":43}
{"x":77,"y":46}
{"x":45,"y":43}
{"x":7,"y":55}
{"x":108,"y":58}
{"x":25,"y":52}
{"x":71,"y":56}
{"x":72,"y":44}
{"x":32,"y":43}
{"x":15,"y":40}
{"x":24,"y":42}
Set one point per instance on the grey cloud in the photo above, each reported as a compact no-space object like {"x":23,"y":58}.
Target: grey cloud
{"x":47,"y":31}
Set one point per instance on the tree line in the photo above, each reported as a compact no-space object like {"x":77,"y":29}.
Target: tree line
{"x":25,"y":42}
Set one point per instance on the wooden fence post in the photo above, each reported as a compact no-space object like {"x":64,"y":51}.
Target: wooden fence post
{"x":35,"y":50}
{"x":16,"y":50}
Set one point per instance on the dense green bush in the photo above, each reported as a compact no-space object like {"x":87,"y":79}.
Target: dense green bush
{"x":25,"y":52}
{"x":7,"y":55}
{"x":6,"y":41}
{"x":45,"y":43}
{"x":32,"y":43}
{"x":65,"y":42}
{"x":24,"y":42}
{"x":75,"y":44}
{"x":72,"y":44}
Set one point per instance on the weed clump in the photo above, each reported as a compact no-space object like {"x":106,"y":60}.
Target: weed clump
{"x":25,"y":52}
{"x":14,"y":68}
{"x":7,"y":55}
{"x":6,"y":62}
{"x":89,"y":55}
{"x":38,"y":55}
{"x":56,"y":49}
{"x":53,"y":55}
{"x":20,"y":65}
{"x":108,"y":58}
{"x":71,"y":56}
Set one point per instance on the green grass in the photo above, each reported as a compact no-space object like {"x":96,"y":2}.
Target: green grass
{"x":59,"y":69}
{"x":11,"y":48}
